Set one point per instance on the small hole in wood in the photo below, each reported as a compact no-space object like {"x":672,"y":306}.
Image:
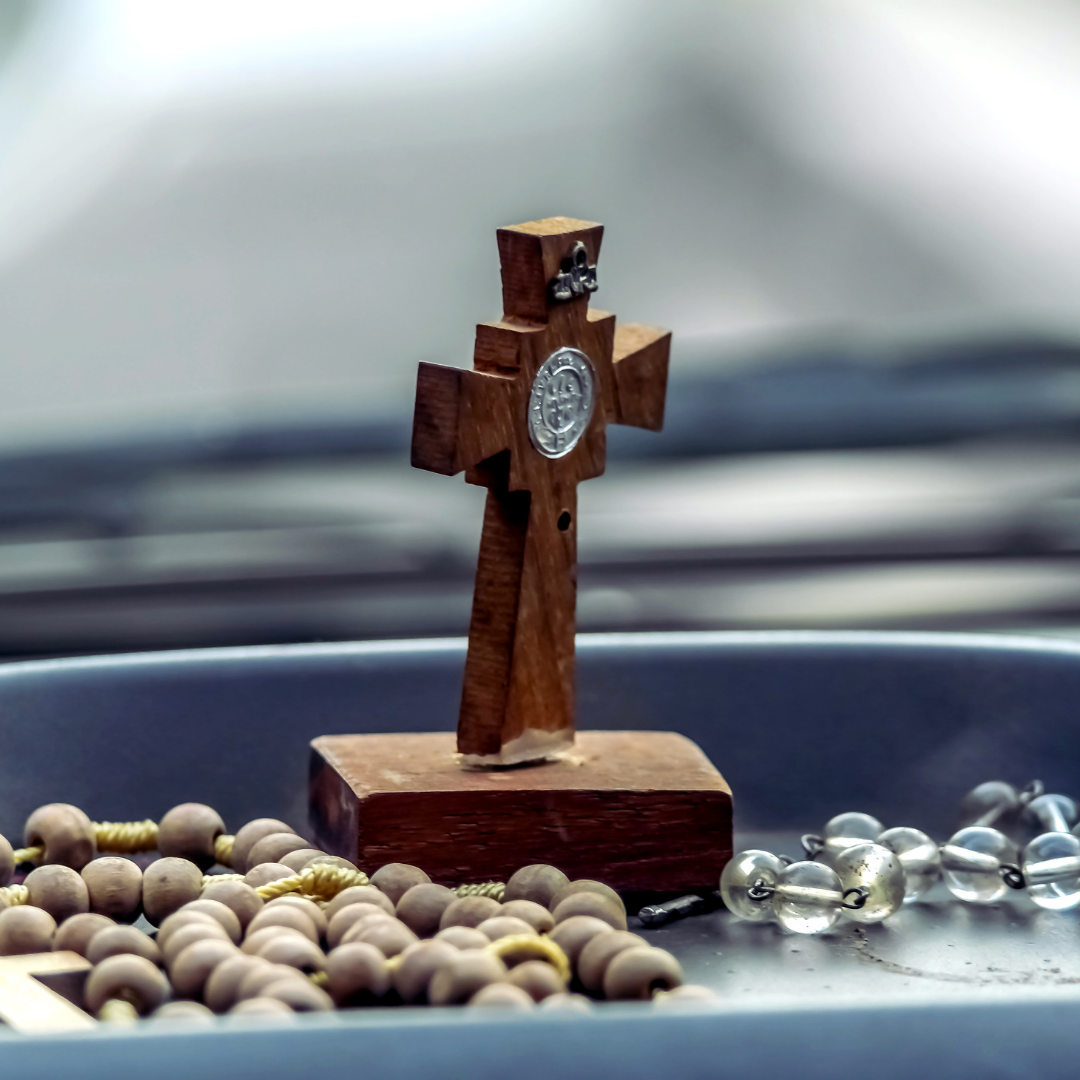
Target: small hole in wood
{"x":564,"y":521}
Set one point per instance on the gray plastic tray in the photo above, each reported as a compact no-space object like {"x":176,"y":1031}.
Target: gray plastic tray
{"x":803,"y":725}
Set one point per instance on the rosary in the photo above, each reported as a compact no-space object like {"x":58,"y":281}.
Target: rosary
{"x":294,"y":929}
{"x":860,"y":870}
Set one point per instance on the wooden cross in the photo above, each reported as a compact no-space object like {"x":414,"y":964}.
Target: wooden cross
{"x":27,"y":1004}
{"x":528,"y":422}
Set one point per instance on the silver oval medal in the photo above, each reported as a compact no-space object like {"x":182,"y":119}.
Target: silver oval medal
{"x":561,"y":403}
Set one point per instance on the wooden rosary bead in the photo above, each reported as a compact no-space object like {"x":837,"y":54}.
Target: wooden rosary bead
{"x":590,"y":903}
{"x":538,"y":883}
{"x":504,"y":926}
{"x":389,"y":936}
{"x":536,"y":915}
{"x":417,"y":967}
{"x":59,"y":890}
{"x":593,"y":960}
{"x":346,"y":919}
{"x":131,"y":978}
{"x":537,"y":978}
{"x":360,"y":894}
{"x":364,"y":920}
{"x":244,"y":901}
{"x":285,"y":915}
{"x":463,"y":937}
{"x":636,"y":974}
{"x":194,"y":965}
{"x":264,"y":873}
{"x":311,"y":910}
{"x":65,"y":832}
{"x":270,"y":848}
{"x":169,"y":884}
{"x":223,"y":985}
{"x":297,"y":860}
{"x":114,"y":886}
{"x":422,"y":907}
{"x":76,"y":933}
{"x":569,"y":1003}
{"x":188,"y":935}
{"x":7,"y":862}
{"x":575,"y":933}
{"x":260,"y":1006}
{"x":255,"y":940}
{"x":300,"y":995}
{"x":26,"y":929}
{"x":247,"y":837}
{"x":256,"y":980}
{"x":396,"y":879}
{"x":294,"y":951}
{"x":502,"y":996}
{"x":456,"y":981}
{"x":221,"y":914}
{"x":188,"y":831}
{"x":188,"y":1012}
{"x":356,"y":974}
{"x":587,"y":885}
{"x":178,"y":919}
{"x":118,"y":940}
{"x":469,"y":911}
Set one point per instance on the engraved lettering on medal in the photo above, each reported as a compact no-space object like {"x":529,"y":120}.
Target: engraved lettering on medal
{"x":561,"y":402}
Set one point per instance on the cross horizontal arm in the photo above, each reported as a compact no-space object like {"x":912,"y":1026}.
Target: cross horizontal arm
{"x":641,"y":368}
{"x":29,"y":1005}
{"x":460,"y":418}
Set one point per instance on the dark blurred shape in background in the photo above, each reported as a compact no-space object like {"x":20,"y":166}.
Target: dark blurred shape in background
{"x":229,"y":231}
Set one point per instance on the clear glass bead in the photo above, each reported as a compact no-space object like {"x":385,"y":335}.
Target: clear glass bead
{"x":988,"y":803}
{"x":1052,"y":868}
{"x":740,"y":873}
{"x":808,"y":898}
{"x":1054,"y":813}
{"x":919,"y":857}
{"x":876,"y":869}
{"x":971,"y":864}
{"x":844,"y":831}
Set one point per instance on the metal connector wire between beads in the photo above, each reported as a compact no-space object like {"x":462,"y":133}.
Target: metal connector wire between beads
{"x":760,"y":891}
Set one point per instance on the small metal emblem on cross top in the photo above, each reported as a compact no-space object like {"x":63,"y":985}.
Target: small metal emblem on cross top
{"x":528,"y":422}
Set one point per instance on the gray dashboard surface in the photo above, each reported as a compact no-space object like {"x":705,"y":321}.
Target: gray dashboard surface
{"x":803,"y":726}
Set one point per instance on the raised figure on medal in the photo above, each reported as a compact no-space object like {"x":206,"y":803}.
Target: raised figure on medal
{"x":528,"y":423}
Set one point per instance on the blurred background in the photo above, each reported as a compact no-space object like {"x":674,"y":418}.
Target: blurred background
{"x":230,"y":230}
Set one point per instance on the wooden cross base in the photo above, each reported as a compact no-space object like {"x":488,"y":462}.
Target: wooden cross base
{"x":638,"y":810}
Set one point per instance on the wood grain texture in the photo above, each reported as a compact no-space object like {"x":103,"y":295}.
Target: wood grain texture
{"x":636,"y":809}
{"x":641,"y":370}
{"x":517,"y":703}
